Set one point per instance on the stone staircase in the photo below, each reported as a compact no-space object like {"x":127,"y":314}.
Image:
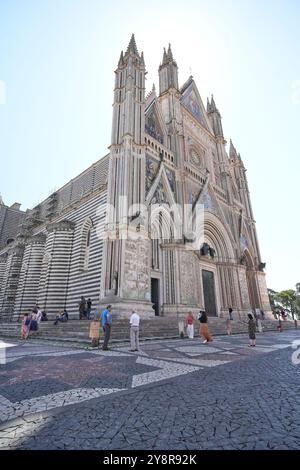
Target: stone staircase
{"x":77,"y":332}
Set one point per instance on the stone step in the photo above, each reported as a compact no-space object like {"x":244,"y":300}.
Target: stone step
{"x":78,"y":331}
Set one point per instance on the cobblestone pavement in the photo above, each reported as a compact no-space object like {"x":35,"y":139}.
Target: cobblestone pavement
{"x":173,"y":394}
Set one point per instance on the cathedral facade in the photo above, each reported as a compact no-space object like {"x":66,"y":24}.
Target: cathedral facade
{"x":118,"y":233}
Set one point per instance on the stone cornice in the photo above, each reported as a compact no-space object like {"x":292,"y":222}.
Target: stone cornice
{"x":63,"y":225}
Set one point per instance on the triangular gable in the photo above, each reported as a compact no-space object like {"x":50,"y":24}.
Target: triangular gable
{"x":154,"y":123}
{"x":245,"y":239}
{"x":161,"y":191}
{"x":192,"y":101}
{"x":210,"y":202}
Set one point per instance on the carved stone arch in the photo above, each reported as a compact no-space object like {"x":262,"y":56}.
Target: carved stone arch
{"x":161,"y":231}
{"x":219,"y":238}
{"x":161,"y":223}
{"x":248,"y":259}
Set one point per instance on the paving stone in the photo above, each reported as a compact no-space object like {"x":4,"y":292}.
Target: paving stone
{"x":245,"y":403}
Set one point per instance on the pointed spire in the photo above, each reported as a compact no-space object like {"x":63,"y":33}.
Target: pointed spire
{"x":170,"y":55}
{"x":142,"y":58}
{"x":165,"y":58}
{"x":132,"y":46}
{"x":213,"y":104}
{"x":121,"y":60}
{"x":208,"y":107}
{"x":232,"y":151}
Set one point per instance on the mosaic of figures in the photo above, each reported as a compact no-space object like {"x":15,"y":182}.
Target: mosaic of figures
{"x":153,"y":128}
{"x":151,"y":171}
{"x":190,"y":101}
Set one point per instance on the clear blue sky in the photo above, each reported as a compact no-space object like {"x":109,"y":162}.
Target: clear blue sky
{"x":57,"y":59}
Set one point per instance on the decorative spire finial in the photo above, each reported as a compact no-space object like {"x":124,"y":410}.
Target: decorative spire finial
{"x":165,"y":58}
{"x":170,"y":55}
{"x":132,"y":46}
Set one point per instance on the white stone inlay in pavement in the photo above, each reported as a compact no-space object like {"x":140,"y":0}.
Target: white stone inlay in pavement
{"x":47,"y":402}
{"x":165,"y":371}
{"x":110,"y":353}
{"x":200,"y":362}
{"x":198,"y":350}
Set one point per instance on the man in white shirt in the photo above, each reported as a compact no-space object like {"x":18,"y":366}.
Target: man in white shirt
{"x":134,"y":331}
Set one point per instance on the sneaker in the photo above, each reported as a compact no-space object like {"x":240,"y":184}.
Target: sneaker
{"x":205,"y":341}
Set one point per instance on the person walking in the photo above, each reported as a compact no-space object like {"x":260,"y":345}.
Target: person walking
{"x":25,"y":326}
{"x":82,"y":308}
{"x":106,"y":320}
{"x":134,"y":331}
{"x":203,"y":330}
{"x":251,"y":330}
{"x":34,"y":324}
{"x":190,"y":325}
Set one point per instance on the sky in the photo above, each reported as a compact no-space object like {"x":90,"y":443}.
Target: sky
{"x":57,"y":62}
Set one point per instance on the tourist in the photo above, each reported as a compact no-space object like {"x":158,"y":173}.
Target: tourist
{"x":134,"y":331}
{"x":279,"y":326}
{"x":259,"y":323}
{"x":34,"y":324}
{"x":251,"y":329}
{"x":106,"y":320}
{"x":229,"y":326}
{"x":230,"y":311}
{"x":96,"y":315}
{"x":89,"y":308}
{"x":203,"y":330}
{"x":25,"y":326}
{"x":190,"y":325}
{"x":62,"y":317}
{"x":82,"y":308}
{"x":38,"y":315}
{"x":44,"y":316}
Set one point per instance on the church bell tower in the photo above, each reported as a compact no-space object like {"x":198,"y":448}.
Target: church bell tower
{"x":125,"y":278}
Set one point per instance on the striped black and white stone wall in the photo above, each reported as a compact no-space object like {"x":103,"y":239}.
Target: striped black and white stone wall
{"x":27,"y":293}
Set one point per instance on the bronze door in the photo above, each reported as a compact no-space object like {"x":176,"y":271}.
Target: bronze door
{"x":208,"y":281}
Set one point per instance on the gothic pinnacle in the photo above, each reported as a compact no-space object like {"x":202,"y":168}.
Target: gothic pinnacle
{"x":132,"y":46}
{"x":121,"y":60}
{"x":213,"y":104}
{"x":232,"y":150}
{"x":170,"y":55}
{"x":208,"y":106}
{"x":165,"y":59}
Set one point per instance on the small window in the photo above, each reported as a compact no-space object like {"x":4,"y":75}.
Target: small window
{"x":85,"y":244}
